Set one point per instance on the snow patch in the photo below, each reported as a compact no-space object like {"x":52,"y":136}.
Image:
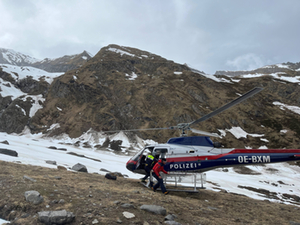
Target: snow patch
{"x":22,"y":72}
{"x":133,"y":76}
{"x":282,"y":106}
{"x":238,"y":133}
{"x":177,"y":73}
{"x":121,"y":52}
{"x":24,"y":112}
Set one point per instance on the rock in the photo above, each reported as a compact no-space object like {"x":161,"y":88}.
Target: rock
{"x":61,"y":168}
{"x":172,"y":223}
{"x":5,"y":142}
{"x":110,"y":176}
{"x":128,"y":215}
{"x":75,"y":154}
{"x":51,"y":162}
{"x":33,"y":197}
{"x":116,"y":145}
{"x":126,"y":205}
{"x":80,"y":168}
{"x":117,"y":174}
{"x":95,"y":221}
{"x":154,"y":209}
{"x":25,"y":215}
{"x":212,"y":208}
{"x":29,"y":178}
{"x":56,"y":217}
{"x":294,"y":223}
{"x":170,"y":217}
{"x":8,"y":152}
{"x":104,"y":170}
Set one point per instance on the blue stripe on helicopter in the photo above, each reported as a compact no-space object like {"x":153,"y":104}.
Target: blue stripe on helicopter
{"x":195,"y":140}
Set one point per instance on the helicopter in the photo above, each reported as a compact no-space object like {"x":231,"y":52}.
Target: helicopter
{"x":197,"y":154}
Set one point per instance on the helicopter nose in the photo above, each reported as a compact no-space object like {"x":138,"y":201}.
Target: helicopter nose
{"x":130,"y":165}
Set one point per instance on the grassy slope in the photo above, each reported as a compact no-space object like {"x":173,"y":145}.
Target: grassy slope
{"x":91,"y":196}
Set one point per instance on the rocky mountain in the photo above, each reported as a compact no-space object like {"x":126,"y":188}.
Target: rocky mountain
{"x":126,"y":88}
{"x":64,"y":63}
{"x":9,"y":56}
{"x":292,"y":69}
{"x":61,"y":64}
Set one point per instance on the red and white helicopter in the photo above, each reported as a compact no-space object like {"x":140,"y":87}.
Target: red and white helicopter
{"x":197,"y":154}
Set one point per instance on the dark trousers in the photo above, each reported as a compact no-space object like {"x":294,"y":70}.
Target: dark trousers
{"x":159,"y":183}
{"x":147,"y":170}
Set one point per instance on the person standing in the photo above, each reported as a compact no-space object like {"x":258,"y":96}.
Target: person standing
{"x":149,"y":164}
{"x":159,"y":167}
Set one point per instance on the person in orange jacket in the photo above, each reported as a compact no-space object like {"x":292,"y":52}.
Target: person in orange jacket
{"x":159,"y":166}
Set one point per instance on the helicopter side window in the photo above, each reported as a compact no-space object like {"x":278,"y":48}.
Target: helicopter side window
{"x":161,"y":152}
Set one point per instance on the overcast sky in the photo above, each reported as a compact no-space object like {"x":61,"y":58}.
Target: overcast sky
{"x":208,"y":35}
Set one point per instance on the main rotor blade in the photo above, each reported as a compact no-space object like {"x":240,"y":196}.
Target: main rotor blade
{"x":203,"y":133}
{"x":229,"y":105}
{"x":113,"y":131}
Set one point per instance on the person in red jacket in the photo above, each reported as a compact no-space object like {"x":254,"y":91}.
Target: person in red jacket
{"x":159,"y":166}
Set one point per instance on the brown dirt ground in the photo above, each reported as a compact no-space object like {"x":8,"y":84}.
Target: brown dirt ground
{"x":92,"y":196}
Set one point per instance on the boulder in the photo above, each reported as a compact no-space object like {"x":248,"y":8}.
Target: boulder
{"x":128,"y":215}
{"x":5,"y":142}
{"x":56,"y":217}
{"x":172,"y":222}
{"x":8,"y":152}
{"x":51,"y":162}
{"x":80,"y":168}
{"x":28,"y":178}
{"x":110,"y":176}
{"x":156,"y":209}
{"x":33,"y":197}
{"x":170,"y":217}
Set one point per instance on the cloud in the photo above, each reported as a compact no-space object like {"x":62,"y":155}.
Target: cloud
{"x":208,"y":35}
{"x":248,"y":61}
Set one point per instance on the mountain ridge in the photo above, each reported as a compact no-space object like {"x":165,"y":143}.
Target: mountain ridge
{"x":127,"y":88}
{"x":61,"y":64}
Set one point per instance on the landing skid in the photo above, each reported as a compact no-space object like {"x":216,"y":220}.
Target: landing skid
{"x":177,"y":182}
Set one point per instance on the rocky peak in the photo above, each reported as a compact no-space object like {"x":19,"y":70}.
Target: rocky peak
{"x":9,"y":56}
{"x":63,"y":64}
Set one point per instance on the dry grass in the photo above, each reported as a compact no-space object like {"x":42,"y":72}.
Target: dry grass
{"x":91,"y":196}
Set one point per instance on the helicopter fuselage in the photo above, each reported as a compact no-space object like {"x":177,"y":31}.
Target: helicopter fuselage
{"x":199,"y":154}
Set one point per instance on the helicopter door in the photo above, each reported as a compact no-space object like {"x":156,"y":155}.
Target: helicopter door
{"x":160,"y":152}
{"x":141,"y":157}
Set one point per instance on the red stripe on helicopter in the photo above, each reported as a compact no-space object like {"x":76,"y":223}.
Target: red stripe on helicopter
{"x":236,"y":151}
